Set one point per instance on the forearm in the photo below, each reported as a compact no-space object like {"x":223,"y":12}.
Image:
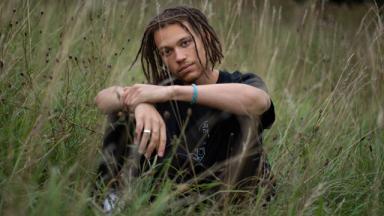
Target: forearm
{"x":108,"y":100}
{"x":235,"y":98}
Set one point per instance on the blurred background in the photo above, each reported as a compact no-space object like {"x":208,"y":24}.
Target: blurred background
{"x":322,"y":61}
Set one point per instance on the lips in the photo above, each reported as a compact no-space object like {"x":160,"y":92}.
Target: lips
{"x":185,"y":69}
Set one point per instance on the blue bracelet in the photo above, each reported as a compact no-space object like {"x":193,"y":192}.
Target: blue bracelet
{"x":194,"y":96}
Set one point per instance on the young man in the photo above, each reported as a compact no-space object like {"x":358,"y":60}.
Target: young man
{"x":216,"y":117}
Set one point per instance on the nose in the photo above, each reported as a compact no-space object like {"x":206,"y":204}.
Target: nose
{"x":180,"y":55}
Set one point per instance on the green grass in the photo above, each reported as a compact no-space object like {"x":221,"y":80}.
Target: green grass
{"x":323,"y":66}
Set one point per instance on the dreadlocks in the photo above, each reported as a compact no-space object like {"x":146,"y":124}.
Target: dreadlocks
{"x":153,"y":67}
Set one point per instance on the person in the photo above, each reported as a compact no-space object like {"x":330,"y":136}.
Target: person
{"x":207,"y":122}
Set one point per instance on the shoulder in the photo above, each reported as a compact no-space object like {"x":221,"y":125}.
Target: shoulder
{"x":268,"y":117}
{"x":248,"y":78}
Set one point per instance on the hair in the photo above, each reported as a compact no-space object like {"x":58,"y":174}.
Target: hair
{"x":153,"y":67}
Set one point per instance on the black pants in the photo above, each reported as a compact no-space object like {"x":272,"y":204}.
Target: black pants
{"x":120,"y":154}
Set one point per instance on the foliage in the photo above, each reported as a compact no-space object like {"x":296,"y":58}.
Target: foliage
{"x":323,"y":65}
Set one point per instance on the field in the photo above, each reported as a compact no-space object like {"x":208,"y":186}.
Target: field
{"x":323,"y":64}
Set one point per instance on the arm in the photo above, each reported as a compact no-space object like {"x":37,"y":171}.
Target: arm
{"x":109,"y":100}
{"x":237,"y":98}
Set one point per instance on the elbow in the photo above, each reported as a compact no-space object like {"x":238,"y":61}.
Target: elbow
{"x":266,"y":103}
{"x":99,"y":102}
{"x":260,"y":103}
{"x":105,"y":101}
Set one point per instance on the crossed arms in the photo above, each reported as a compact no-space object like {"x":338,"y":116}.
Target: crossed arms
{"x":237,"y":98}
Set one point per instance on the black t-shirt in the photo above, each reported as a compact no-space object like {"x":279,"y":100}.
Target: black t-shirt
{"x":199,"y":136}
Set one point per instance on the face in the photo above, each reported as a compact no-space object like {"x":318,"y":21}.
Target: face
{"x":178,"y":53}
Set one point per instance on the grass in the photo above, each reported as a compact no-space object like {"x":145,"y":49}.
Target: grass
{"x":323,"y":65}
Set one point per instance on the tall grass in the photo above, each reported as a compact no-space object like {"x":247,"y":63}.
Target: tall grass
{"x":323,"y":66}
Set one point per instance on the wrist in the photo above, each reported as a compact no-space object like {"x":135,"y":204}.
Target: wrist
{"x":184,"y":93}
{"x":141,"y":105}
{"x":174,"y":92}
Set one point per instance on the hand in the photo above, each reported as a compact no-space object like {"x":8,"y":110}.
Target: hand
{"x":148,"y":118}
{"x":144,"y":93}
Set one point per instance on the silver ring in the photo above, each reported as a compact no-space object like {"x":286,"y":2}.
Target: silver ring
{"x":147,"y":131}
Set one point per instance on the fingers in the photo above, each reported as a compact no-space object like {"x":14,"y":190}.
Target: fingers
{"x":145,"y":137}
{"x":150,"y":133}
{"x":126,"y":93}
{"x":158,"y":139}
{"x":155,"y":137}
{"x":163,"y":140}
{"x":138,"y":131}
{"x":131,"y":97}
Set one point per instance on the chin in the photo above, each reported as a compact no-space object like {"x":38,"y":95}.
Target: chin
{"x":191,"y":76}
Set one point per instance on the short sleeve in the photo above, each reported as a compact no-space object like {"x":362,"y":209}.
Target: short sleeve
{"x":253,"y":80}
{"x":268,"y":117}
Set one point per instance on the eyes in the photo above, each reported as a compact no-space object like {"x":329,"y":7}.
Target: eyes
{"x":165,"y":52}
{"x":186,"y":42}
{"x":183,"y":43}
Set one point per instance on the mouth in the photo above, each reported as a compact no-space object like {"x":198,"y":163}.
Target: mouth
{"x":185,"y":69}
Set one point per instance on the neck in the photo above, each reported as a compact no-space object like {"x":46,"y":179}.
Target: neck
{"x":210,"y":77}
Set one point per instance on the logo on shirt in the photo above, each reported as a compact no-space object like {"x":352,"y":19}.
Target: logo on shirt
{"x":199,"y":153}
